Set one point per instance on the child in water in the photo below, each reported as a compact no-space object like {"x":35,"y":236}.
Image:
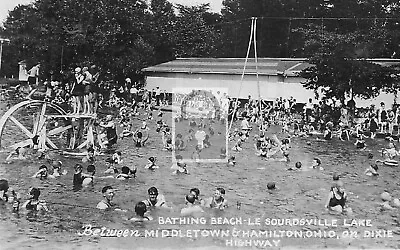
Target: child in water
{"x":179,"y":167}
{"x":217,"y":201}
{"x":151,"y":163}
{"x":57,"y":169}
{"x":140,"y":210}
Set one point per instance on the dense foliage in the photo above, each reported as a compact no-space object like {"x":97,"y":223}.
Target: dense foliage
{"x":123,"y":36}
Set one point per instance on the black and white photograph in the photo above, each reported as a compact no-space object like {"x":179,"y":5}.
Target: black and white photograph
{"x":199,"y":124}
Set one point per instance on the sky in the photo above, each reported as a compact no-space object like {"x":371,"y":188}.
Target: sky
{"x":7,"y":5}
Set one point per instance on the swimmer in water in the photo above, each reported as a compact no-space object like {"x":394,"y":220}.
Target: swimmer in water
{"x":89,"y":157}
{"x":316,"y":164}
{"x":372,"y":170}
{"x":106,"y":202}
{"x":57,"y":169}
{"x":18,"y":154}
{"x":232,"y":161}
{"x":191,"y":209}
{"x":43,"y":173}
{"x":126,"y":173}
{"x":179,"y":167}
{"x":297,"y":167}
{"x":34,"y":204}
{"x":111,"y":168}
{"x":337,"y":198}
{"x":196,"y":193}
{"x":79,"y":179}
{"x":218,"y":201}
{"x":140,"y":210}
{"x":180,"y":144}
{"x":155,"y":199}
{"x":9,"y":195}
{"x":151,"y":163}
{"x":139,"y":140}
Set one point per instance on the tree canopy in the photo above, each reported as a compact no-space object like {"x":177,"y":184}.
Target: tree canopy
{"x":123,"y":36}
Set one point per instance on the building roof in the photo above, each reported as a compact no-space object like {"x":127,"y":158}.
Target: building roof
{"x":235,"y":66}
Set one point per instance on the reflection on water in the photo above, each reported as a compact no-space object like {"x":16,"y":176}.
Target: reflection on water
{"x":298,"y":195}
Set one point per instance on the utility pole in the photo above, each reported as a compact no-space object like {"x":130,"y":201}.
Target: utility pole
{"x":2,"y":40}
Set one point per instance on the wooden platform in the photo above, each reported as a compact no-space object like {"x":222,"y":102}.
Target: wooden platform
{"x":89,"y":116}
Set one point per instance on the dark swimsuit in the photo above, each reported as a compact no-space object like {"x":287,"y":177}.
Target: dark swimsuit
{"x":333,"y":202}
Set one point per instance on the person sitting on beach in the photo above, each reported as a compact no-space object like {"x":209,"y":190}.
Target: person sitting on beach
{"x":151,"y":163}
{"x":372,"y":170}
{"x":191,"y":209}
{"x":126,"y":173}
{"x":34,"y":204}
{"x":337,"y":198}
{"x":43,"y":173}
{"x":140,"y":210}
{"x":155,"y":199}
{"x":217,"y":201}
{"x":179,"y":167}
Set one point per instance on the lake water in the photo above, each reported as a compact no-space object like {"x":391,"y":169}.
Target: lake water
{"x":299,"y":195}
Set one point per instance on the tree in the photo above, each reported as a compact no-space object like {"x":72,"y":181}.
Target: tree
{"x":340,"y":70}
{"x":193,"y":37}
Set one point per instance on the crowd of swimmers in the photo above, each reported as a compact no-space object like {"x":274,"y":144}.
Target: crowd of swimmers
{"x":255,"y":119}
